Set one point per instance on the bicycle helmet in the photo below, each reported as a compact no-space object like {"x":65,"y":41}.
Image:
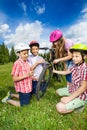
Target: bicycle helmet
{"x":21,"y":47}
{"x":33,"y":43}
{"x":55,"y":35}
{"x":80,"y":47}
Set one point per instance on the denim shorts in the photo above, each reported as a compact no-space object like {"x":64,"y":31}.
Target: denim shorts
{"x":34,"y":85}
{"x":69,"y":76}
{"x":42,"y":87}
{"x":24,"y":98}
{"x":75,"y":103}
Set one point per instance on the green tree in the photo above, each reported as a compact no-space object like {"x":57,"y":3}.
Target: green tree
{"x":7,"y":58}
{"x":1,"y":55}
{"x":4,"y":54}
{"x":13,"y":56}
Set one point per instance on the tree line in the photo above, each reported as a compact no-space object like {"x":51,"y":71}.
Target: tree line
{"x":6,"y":55}
{"x":10,"y":56}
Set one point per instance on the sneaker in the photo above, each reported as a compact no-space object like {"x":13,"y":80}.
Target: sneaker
{"x":4,"y":100}
{"x":9,"y":94}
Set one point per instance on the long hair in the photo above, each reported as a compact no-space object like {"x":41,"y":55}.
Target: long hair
{"x":60,"y":48}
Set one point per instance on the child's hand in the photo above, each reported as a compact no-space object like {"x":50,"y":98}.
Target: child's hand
{"x":40,"y":61}
{"x":56,"y":61}
{"x":65,"y":99}
{"x":31,"y":68}
{"x":53,"y":70}
{"x":31,"y":73}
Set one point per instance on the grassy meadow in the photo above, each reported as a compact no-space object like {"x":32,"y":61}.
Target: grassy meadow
{"x":38,"y":115}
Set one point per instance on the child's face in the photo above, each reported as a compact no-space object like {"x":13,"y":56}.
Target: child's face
{"x":24,"y":55}
{"x":34,"y":50}
{"x":77,"y":57}
{"x":55,"y":43}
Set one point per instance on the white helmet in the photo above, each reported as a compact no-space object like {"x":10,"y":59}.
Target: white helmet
{"x":21,"y":47}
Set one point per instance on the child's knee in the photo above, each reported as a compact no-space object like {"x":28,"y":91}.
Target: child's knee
{"x":57,"y":92}
{"x":61,"y":107}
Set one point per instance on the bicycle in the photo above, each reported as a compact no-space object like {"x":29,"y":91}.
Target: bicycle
{"x":45,"y":76}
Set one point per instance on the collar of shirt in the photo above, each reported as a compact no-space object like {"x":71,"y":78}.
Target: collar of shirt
{"x":22,"y":60}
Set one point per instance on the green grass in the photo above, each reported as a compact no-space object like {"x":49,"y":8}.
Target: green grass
{"x":38,"y":115}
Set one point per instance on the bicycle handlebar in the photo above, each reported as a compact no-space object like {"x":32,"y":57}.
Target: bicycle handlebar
{"x":46,"y":48}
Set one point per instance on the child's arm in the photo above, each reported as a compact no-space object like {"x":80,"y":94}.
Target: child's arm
{"x":77,"y":93}
{"x":18,"y":78}
{"x":37,"y":63}
{"x":61,"y":72}
{"x":64,"y":58}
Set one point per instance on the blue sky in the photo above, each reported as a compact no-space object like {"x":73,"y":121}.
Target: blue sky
{"x":26,"y":20}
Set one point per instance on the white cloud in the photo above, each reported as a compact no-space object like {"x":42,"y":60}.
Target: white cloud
{"x":84,"y":13}
{"x":24,"y":33}
{"x":23,"y":7}
{"x":40,"y":10}
{"x":84,"y":10}
{"x":38,"y":7}
{"x":4,"y":28}
{"x":78,"y":31}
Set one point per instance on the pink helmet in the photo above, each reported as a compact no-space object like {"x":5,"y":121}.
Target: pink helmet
{"x":55,"y":35}
{"x":33,"y":43}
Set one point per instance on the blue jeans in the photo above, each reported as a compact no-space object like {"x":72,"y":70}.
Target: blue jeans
{"x":69,"y":76}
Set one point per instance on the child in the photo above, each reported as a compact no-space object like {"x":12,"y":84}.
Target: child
{"x":22,"y":77}
{"x":75,"y":96}
{"x":61,"y":46}
{"x":37,"y":63}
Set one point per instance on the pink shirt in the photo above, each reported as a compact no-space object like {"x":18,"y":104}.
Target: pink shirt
{"x":79,"y":74}
{"x":68,"y":44}
{"x":19,"y":69}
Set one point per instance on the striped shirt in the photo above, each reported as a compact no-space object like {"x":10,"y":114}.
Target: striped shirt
{"x":19,"y":69}
{"x":79,"y":74}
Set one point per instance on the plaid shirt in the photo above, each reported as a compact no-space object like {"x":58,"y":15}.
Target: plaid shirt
{"x":79,"y":74}
{"x":19,"y":69}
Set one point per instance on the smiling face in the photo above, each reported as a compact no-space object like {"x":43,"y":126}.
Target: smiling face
{"x":35,"y":50}
{"x":24,"y":55}
{"x":77,"y":58}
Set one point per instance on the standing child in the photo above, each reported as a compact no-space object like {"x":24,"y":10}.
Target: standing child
{"x":61,"y":45}
{"x":37,"y":63}
{"x":22,"y":77}
{"x":75,"y":96}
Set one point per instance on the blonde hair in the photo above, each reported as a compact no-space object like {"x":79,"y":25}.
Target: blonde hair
{"x":60,"y":50}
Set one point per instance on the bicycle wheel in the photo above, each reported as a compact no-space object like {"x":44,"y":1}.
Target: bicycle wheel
{"x":43,"y":81}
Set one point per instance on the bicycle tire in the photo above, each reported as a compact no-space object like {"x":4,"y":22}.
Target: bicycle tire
{"x":43,"y":81}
